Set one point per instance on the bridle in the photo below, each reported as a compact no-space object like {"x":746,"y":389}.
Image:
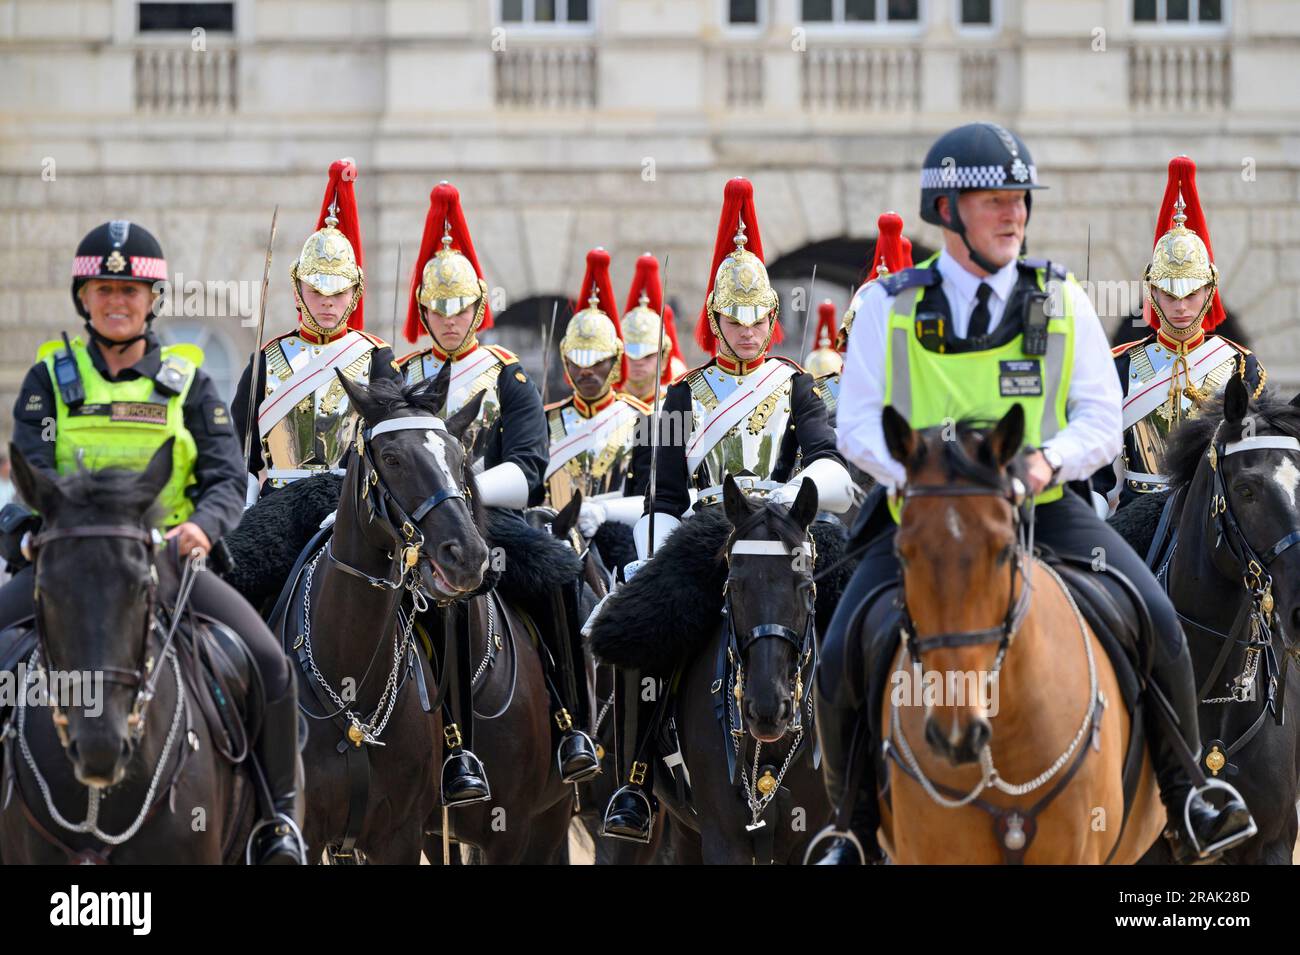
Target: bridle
{"x":376,"y":500}
{"x":1004,"y":633}
{"x":144,"y":677}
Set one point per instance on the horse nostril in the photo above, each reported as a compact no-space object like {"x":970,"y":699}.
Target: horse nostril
{"x":450,"y":551}
{"x":979,"y":734}
{"x":786,"y":709}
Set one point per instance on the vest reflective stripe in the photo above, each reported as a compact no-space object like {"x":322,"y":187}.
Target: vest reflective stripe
{"x":122,"y":423}
{"x":928,"y":387}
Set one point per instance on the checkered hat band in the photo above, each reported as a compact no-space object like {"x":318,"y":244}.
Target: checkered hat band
{"x":84,"y":265}
{"x":143,"y":267}
{"x":970,"y":177}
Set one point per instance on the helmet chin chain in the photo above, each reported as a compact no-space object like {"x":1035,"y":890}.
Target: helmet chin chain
{"x":724,"y":345}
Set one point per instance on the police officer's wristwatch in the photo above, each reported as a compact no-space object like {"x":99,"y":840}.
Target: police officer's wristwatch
{"x":1055,"y":462}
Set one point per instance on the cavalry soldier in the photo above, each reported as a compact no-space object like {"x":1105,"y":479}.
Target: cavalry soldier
{"x":1167,"y":375}
{"x":825,"y":362}
{"x":593,"y":430}
{"x":643,"y":332}
{"x":752,"y":415}
{"x":921,"y":335}
{"x":113,"y":400}
{"x":449,"y":301}
{"x":305,"y":423}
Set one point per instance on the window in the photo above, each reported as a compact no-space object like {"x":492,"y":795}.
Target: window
{"x":860,"y":11}
{"x":977,"y":13}
{"x":742,"y":12}
{"x":169,"y":17}
{"x":1178,"y":11}
{"x":546,"y":12}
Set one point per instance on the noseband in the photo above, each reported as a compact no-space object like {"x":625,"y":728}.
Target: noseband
{"x":1017,"y":605}
{"x":376,"y":500}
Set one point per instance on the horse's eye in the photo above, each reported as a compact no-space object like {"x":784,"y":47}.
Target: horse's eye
{"x":1243,"y":491}
{"x":391,"y":460}
{"x":1004,"y":555}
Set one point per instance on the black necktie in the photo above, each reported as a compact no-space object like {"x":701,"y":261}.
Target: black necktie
{"x":979,"y":319}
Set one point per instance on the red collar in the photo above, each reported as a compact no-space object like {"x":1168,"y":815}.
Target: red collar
{"x":307,"y":335}
{"x":1175,"y":346}
{"x":461,"y":352}
{"x":734,"y":366}
{"x":600,"y":404}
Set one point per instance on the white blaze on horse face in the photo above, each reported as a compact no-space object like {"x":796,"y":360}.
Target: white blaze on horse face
{"x":438,"y":448}
{"x":953,"y":521}
{"x":1287,"y":477}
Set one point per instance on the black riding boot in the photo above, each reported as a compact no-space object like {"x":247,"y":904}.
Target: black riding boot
{"x":631,"y":811}
{"x":576,"y":754}
{"x":277,"y":840}
{"x":849,"y":771}
{"x":464,"y":779}
{"x":1173,"y":753}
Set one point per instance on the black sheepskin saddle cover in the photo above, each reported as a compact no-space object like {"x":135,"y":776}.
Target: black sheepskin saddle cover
{"x":1136,"y":521}
{"x":275,"y":530}
{"x":671,"y":608}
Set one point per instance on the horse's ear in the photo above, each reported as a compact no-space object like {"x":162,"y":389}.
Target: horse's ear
{"x":804,"y":508}
{"x":359,"y":395}
{"x":37,"y":489}
{"x":441,"y":385}
{"x":159,"y":469}
{"x":1295,"y":402}
{"x":1006,"y":437}
{"x":458,"y":423}
{"x":1236,"y":401}
{"x":734,"y":501}
{"x":900,"y":439}
{"x":568,"y":517}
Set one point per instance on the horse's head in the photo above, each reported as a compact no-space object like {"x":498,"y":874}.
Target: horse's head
{"x":770,"y":598}
{"x":1242,"y":460}
{"x":411,"y":481}
{"x":958,"y":548}
{"x":95,"y":590}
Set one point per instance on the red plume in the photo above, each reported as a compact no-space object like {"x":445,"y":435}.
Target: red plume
{"x":597,"y":276}
{"x":737,"y":203}
{"x":647,"y":279}
{"x":444,"y":207}
{"x":1182,"y":176}
{"x":825,"y":322}
{"x":896,"y":250}
{"x":343,"y":173}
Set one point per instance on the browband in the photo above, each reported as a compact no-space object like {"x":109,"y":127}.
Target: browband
{"x":767,"y":548}
{"x":419,"y":422}
{"x":1263,"y":443}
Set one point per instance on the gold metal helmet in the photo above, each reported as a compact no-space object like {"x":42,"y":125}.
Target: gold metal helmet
{"x":642,"y":331}
{"x":328,"y":264}
{"x":590,"y":338}
{"x":449,"y":284}
{"x":741,"y":288}
{"x":1180,"y":265}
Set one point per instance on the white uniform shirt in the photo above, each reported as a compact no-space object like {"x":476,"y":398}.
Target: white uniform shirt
{"x":1093,"y":436}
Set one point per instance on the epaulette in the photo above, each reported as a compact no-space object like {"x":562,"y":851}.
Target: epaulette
{"x":275,"y":338}
{"x":1241,"y":348}
{"x":910,"y":278}
{"x":634,"y":401}
{"x":373,"y":339}
{"x":1058,"y":270}
{"x":507,"y":357}
{"x":555,"y":405}
{"x":1123,"y":347}
{"x":418,"y":353}
{"x":791,"y":362}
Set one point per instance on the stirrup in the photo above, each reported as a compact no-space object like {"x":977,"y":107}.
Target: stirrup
{"x":1227,"y":842}
{"x":830,"y":832}
{"x":278,"y":819}
{"x":477,"y":768}
{"x":586,"y":775}
{"x":640,"y":794}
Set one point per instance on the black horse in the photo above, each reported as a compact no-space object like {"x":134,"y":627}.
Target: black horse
{"x":406,"y":537}
{"x":129,"y":773}
{"x":741,"y":709}
{"x":1234,"y":577}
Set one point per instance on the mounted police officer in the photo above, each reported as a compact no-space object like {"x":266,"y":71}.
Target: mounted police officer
{"x":936,"y":341}
{"x":305,"y":423}
{"x":751,"y":415}
{"x":449,"y":301}
{"x":111,"y":401}
{"x":1167,"y":375}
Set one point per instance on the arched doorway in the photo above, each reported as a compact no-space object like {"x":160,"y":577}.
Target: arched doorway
{"x":524,"y":327}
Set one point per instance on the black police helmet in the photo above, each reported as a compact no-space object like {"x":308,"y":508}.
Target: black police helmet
{"x":119,"y":250}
